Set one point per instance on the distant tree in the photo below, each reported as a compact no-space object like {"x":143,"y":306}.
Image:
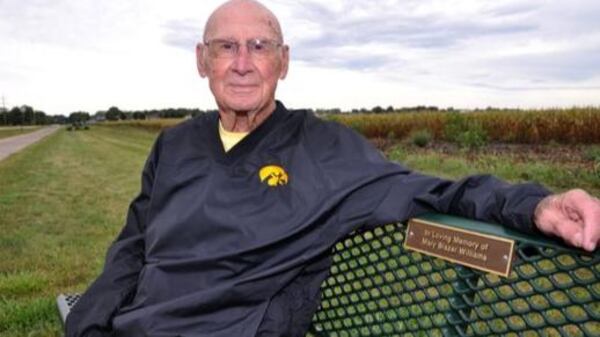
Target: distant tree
{"x":58,"y":119}
{"x":113,"y":113}
{"x":3,"y":116}
{"x":173,"y":113}
{"x":377,"y":109}
{"x":79,"y":117}
{"x":15,"y":116}
{"x":197,"y":112}
{"x":389,"y":109}
{"x":28,"y":115}
{"x":99,"y":115}
{"x":23,"y":115}
{"x":40,"y":118}
{"x":139,"y":115}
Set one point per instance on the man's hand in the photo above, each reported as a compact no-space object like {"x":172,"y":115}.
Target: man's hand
{"x":573,"y":216}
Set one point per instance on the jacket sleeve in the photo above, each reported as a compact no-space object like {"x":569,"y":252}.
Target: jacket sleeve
{"x":481,"y":197}
{"x":92,"y":315}
{"x":386,"y":192}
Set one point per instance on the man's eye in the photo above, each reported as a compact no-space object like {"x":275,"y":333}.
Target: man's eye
{"x":258,"y":47}
{"x":227,"y":46}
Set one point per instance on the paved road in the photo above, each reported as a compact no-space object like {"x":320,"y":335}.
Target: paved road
{"x":14,"y":144}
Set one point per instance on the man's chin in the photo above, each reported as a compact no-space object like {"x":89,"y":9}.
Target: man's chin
{"x":244,"y":106}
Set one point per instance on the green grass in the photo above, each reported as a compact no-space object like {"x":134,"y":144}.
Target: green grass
{"x":556,"y":175}
{"x":6,"y":132}
{"x":63,"y":200}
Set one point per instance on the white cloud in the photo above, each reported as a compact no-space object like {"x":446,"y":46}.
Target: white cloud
{"x":61,"y":56}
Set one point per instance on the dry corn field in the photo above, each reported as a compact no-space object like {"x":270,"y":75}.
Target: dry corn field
{"x":578,"y":125}
{"x":568,"y":126}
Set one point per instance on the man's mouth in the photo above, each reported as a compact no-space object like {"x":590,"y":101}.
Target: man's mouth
{"x":242,"y":87}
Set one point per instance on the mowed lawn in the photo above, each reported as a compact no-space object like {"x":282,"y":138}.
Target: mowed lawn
{"x":517,"y":165}
{"x":63,"y":201}
{"x":9,"y":131}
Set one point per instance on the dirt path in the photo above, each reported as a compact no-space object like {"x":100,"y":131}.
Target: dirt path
{"x":14,"y":144}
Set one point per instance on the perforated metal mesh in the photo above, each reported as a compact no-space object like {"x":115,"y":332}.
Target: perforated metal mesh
{"x":65,"y":303}
{"x":377,"y":288}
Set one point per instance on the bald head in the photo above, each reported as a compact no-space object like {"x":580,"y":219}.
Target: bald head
{"x":243,"y":56}
{"x":232,"y":9}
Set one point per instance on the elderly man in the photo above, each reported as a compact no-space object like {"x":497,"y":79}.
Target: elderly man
{"x":231,"y":233}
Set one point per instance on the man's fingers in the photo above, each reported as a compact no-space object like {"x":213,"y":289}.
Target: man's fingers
{"x":588,"y":209}
{"x":574,"y":216}
{"x":577,"y":239}
{"x":570,"y":231}
{"x":591,"y":228}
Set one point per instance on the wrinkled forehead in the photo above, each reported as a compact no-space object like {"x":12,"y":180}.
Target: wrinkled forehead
{"x":245,"y":20}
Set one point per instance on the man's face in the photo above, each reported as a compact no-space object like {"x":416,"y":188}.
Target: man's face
{"x":244,"y":82}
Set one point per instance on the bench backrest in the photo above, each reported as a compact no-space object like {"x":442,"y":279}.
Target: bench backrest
{"x":378,"y":288}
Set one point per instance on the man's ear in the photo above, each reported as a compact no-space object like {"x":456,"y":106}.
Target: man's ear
{"x":201,"y":59}
{"x":285,"y":61}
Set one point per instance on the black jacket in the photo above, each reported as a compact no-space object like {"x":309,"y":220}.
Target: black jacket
{"x":237,"y":244}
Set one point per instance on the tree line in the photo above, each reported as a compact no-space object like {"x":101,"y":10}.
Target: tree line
{"x":26,"y":115}
{"x":114,"y":113}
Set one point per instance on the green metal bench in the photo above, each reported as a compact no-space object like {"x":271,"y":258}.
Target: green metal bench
{"x":378,"y":288}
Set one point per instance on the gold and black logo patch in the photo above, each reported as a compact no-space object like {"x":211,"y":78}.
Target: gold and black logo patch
{"x":273,"y":175}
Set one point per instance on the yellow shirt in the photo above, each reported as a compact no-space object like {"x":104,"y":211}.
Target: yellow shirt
{"x":228,"y":138}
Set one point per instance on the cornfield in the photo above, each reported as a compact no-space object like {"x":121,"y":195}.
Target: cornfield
{"x":567,"y":126}
{"x":576,"y":125}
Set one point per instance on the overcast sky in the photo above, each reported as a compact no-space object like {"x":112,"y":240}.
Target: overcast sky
{"x":62,"y":56}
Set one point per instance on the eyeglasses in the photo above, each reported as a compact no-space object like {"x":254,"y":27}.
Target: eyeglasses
{"x":228,"y":49}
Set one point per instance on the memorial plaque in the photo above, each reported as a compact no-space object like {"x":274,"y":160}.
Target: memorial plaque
{"x":475,"y":250}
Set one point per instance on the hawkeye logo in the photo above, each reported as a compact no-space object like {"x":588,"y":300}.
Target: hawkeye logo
{"x":273,"y":175}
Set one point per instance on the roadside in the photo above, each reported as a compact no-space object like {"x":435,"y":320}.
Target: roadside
{"x":11,"y":131}
{"x":14,"y":144}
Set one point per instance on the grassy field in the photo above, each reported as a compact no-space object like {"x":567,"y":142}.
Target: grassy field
{"x":9,"y":131}
{"x":63,"y":200}
{"x":557,"y":167}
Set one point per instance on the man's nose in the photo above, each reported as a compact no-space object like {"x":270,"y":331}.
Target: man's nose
{"x":242,"y":63}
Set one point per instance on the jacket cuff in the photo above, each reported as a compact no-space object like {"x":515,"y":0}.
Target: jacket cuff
{"x":523,"y":215}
